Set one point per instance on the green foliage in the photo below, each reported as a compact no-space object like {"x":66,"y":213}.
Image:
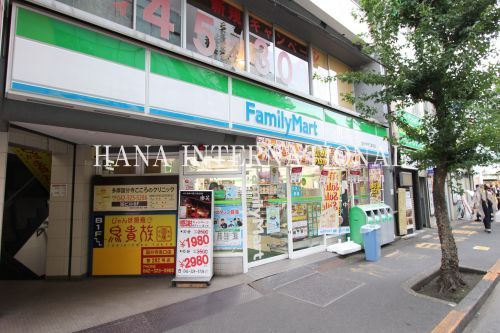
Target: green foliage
{"x":442,"y":52}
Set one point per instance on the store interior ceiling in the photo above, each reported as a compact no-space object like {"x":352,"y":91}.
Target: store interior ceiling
{"x":81,"y":136}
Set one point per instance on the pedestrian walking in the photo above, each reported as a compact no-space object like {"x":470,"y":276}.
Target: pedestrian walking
{"x":487,"y":205}
{"x":457,"y":201}
{"x":477,"y":204}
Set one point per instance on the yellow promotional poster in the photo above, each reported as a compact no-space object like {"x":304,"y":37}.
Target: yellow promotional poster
{"x":330,"y":204}
{"x":375,"y":177}
{"x":134,"y":244}
{"x":132,"y":198}
{"x":38,"y":162}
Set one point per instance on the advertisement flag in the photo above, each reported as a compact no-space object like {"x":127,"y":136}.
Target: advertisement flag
{"x":375,"y":177}
{"x":330,"y":202}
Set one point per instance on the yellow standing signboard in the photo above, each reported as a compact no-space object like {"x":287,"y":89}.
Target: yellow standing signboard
{"x":134,"y":244}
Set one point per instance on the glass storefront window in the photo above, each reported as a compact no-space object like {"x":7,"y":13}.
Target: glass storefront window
{"x":291,"y":62}
{"x":321,"y":89}
{"x":120,"y":12}
{"x":266,"y":212}
{"x":171,"y":167}
{"x":213,"y":164}
{"x":160,"y":19}
{"x":215,"y":30}
{"x":360,"y":186}
{"x":306,"y":207}
{"x":120,"y":168}
{"x":261,"y":48}
{"x":228,"y":215}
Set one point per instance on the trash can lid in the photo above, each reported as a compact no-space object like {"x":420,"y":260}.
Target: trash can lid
{"x":369,"y":227}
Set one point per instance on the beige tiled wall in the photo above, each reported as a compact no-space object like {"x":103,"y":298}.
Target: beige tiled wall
{"x":58,"y":232}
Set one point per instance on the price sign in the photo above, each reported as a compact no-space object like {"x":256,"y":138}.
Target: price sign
{"x":195,"y":235}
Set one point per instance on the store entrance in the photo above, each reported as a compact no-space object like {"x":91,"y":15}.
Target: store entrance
{"x":268,"y":229}
{"x":24,"y":241}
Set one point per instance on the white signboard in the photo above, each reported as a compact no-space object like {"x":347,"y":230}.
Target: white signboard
{"x":195,"y":236}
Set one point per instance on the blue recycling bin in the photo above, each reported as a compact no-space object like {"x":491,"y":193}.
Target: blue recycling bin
{"x":372,"y":236}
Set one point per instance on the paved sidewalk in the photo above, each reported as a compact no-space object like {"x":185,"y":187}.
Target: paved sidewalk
{"x":487,"y":319}
{"x":68,"y":306}
{"x":319,"y":293}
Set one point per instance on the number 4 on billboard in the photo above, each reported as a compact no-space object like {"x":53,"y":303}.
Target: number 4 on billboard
{"x":162,"y":21}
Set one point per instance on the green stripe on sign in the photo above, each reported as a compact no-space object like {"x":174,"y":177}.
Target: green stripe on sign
{"x":184,"y":71}
{"x":355,"y":124}
{"x":51,"y":31}
{"x":276,"y":99}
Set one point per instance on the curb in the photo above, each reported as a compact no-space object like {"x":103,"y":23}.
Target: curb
{"x":457,"y":319}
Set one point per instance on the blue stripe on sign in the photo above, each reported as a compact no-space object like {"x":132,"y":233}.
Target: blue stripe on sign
{"x":188,"y":117}
{"x":75,"y":97}
{"x":281,"y":135}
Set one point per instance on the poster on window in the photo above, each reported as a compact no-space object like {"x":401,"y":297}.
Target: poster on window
{"x":228,"y":227}
{"x":137,"y":244}
{"x":273,"y":219}
{"x":132,"y":198}
{"x":329,"y":221}
{"x":296,"y":175}
{"x":195,"y":235}
{"x":375,"y":178}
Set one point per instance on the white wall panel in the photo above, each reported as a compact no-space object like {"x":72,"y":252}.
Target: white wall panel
{"x":44,"y":65}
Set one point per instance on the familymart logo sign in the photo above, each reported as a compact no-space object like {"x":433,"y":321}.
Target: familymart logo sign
{"x":266,"y":120}
{"x":279,"y":120}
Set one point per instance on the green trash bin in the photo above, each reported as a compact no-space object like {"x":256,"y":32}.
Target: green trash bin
{"x":379,"y":214}
{"x":358,"y":217}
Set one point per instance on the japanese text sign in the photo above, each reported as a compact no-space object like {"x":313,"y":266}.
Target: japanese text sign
{"x":133,"y":244}
{"x":195,"y":235}
{"x":123,"y":198}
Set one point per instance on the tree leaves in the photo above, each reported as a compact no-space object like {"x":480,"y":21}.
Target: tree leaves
{"x":436,"y":51}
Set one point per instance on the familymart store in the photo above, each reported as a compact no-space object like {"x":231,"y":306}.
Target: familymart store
{"x":287,"y":199}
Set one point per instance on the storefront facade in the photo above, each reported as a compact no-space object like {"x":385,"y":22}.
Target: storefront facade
{"x":216,"y":74}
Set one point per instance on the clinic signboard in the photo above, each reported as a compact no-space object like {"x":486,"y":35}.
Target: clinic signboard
{"x":140,"y":197}
{"x":195,"y":235}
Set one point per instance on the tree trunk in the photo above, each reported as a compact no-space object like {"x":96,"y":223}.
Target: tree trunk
{"x":450,"y":278}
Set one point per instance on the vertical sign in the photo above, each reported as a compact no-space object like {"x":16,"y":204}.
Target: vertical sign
{"x":375,"y":177}
{"x":402,"y":212}
{"x":195,"y":236}
{"x":330,"y":204}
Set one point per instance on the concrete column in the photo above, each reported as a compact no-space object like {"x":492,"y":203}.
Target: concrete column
{"x":58,"y":232}
{"x":84,"y":171}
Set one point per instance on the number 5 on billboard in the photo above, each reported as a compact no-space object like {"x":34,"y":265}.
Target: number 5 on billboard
{"x":202,"y":29}
{"x":162,"y":21}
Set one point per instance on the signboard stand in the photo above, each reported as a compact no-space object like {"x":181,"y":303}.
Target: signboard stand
{"x":195,"y":239}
